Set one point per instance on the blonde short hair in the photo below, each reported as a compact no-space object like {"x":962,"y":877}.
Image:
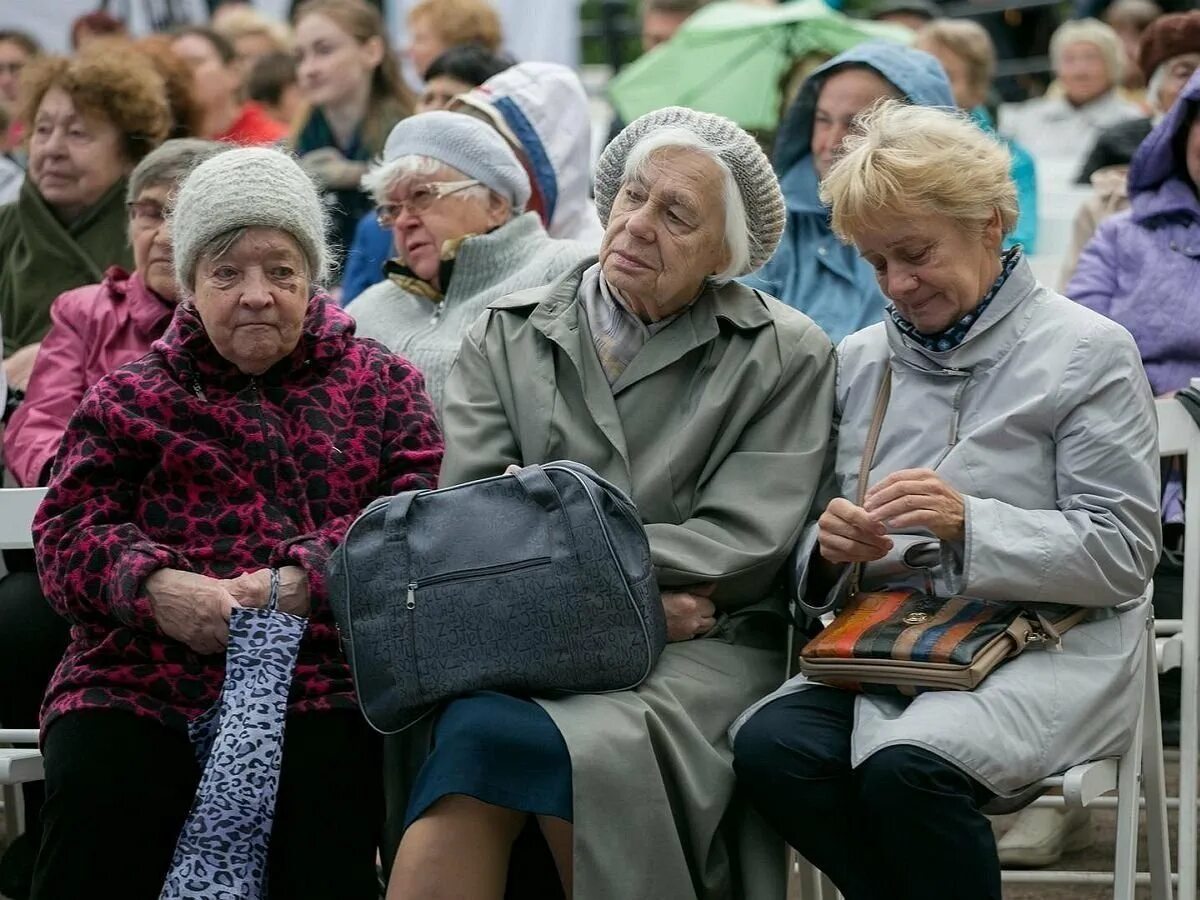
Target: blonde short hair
{"x":246,"y":21}
{"x":970,"y":42}
{"x":904,"y":159}
{"x":459,"y":22}
{"x":1089,"y":31}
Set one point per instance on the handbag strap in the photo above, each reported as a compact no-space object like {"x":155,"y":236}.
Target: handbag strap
{"x":868,"y":455}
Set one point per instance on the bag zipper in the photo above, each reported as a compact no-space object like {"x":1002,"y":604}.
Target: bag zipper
{"x":472,"y":574}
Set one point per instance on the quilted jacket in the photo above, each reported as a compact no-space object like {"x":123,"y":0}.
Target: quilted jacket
{"x":180,"y":460}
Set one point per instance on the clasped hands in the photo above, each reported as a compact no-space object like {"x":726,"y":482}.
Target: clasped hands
{"x":909,"y":498}
{"x":194,"y":609}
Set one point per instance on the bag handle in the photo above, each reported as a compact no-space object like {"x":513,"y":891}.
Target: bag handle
{"x":868,"y":456}
{"x":537,"y":484}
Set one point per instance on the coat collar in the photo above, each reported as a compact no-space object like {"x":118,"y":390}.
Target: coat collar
{"x":149,"y":312}
{"x":991,"y":337}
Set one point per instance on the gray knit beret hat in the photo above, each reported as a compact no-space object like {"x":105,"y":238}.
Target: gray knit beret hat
{"x":465,"y":143}
{"x":247,"y":187}
{"x":751,"y":169}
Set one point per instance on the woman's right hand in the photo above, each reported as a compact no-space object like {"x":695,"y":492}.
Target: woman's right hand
{"x":690,"y":613}
{"x":847,"y":534}
{"x":193,"y":609}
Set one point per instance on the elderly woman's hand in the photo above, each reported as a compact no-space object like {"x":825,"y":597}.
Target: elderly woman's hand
{"x":917,"y":498}
{"x":19,"y":366}
{"x":254,"y":589}
{"x":689,"y":613}
{"x":193,"y":609}
{"x":847,"y":534}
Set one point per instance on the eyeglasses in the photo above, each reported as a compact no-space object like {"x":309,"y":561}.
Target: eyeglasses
{"x":420,"y":200}
{"x":146,"y":213}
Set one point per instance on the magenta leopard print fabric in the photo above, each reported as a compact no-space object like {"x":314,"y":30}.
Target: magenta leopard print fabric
{"x":179,"y":460}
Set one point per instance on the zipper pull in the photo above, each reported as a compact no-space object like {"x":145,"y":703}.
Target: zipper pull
{"x":437,"y":312}
{"x":411,"y":603}
{"x":198,"y":391}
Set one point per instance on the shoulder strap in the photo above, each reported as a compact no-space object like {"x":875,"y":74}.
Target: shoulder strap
{"x":868,"y":454}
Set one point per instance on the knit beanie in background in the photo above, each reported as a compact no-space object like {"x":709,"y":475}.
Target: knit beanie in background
{"x":751,"y":169}
{"x":247,"y":187}
{"x":465,"y":143}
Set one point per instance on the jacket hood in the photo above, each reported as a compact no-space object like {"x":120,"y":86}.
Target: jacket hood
{"x":1160,"y":158}
{"x":189,"y":353}
{"x":914,"y":73}
{"x":543,"y":108}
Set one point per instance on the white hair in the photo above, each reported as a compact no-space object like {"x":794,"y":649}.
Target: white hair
{"x":1089,"y":31}
{"x":384,"y":176}
{"x":737,"y":229}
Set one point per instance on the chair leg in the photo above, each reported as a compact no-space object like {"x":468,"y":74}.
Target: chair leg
{"x":1128,"y":794}
{"x":1154,"y":781}
{"x":14,"y":812}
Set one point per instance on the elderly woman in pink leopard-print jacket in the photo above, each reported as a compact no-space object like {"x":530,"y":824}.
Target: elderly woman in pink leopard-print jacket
{"x":248,"y":439}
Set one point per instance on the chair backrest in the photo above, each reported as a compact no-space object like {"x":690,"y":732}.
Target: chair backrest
{"x":17,"y":508}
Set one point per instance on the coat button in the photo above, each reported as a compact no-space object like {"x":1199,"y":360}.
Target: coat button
{"x":821,"y":251}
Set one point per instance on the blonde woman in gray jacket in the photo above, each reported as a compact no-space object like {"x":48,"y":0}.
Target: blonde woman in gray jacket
{"x":1020,"y":444}
{"x":453,"y":194}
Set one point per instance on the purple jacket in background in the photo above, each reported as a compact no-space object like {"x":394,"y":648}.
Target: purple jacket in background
{"x":1142,"y":267}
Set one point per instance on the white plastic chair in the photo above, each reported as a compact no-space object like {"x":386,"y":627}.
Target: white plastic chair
{"x":19,"y":764}
{"x":1179,"y":639}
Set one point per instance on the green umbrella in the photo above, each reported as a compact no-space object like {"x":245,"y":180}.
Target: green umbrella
{"x":729,"y":57}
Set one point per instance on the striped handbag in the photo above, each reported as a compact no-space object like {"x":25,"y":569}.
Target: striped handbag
{"x":908,"y":641}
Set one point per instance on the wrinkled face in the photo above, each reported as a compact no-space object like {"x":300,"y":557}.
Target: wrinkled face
{"x":1193,"y":153}
{"x":332,"y":67}
{"x":1082,"y":72}
{"x":73,"y":158}
{"x":12,"y":60}
{"x":1176,"y":72}
{"x":933,"y":269}
{"x":424,"y":44}
{"x":252,"y":298}
{"x":659,"y":26}
{"x":843,"y":96}
{"x":150,"y":236}
{"x":439,"y":91}
{"x":966,"y":94}
{"x":419,"y":237}
{"x":666,"y":232}
{"x":215,"y":84}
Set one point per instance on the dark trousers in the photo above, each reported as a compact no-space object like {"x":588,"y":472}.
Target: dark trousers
{"x":32,"y":641}
{"x":904,"y":825}
{"x":119,"y":787}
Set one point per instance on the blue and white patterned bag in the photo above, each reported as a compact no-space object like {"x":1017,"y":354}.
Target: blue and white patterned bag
{"x":221,"y":853}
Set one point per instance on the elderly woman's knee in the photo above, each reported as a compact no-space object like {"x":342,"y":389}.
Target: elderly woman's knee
{"x":908,"y":777}
{"x":775,"y":744}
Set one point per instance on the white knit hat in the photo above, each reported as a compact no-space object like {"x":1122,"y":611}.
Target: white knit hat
{"x":247,"y":187}
{"x":465,"y":143}
{"x":751,"y":169}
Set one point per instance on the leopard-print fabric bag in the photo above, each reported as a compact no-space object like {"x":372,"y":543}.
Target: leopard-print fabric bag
{"x":221,"y":853}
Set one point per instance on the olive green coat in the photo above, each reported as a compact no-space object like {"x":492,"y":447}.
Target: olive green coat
{"x":718,"y":431}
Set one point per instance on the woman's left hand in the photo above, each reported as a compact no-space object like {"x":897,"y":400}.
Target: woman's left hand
{"x":918,"y":498}
{"x":254,"y":589}
{"x":19,"y":366}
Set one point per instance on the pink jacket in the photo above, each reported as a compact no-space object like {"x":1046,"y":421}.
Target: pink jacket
{"x":94,"y":329}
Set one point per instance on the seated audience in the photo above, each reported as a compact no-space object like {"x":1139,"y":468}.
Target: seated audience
{"x":1061,"y":126}
{"x":453,"y":196}
{"x":91,"y":119}
{"x":96,"y":25}
{"x":187,"y":115}
{"x":273,"y":85}
{"x":434,"y":26}
{"x":966,"y":53}
{"x":912,"y":14}
{"x":252,"y":35}
{"x":710,"y":404}
{"x":217,"y":84}
{"x":1129,"y":19}
{"x":247,"y":440}
{"x":662,"y":18}
{"x":813,"y":270}
{"x":17,"y":49}
{"x":457,"y":71}
{"x":1020,"y":430}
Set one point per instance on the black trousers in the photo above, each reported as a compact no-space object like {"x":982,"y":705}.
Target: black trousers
{"x":119,"y":787}
{"x":904,"y":825}
{"x":32,"y":641}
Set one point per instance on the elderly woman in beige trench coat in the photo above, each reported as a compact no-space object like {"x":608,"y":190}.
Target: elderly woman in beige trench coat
{"x":711,"y":405}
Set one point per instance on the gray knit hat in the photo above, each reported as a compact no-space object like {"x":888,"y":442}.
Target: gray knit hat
{"x":751,"y":169}
{"x":465,"y":143}
{"x":248,"y":187}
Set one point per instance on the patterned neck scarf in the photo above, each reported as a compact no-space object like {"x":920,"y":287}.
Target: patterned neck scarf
{"x":617,"y":334}
{"x":408,"y":280}
{"x":957,"y":333}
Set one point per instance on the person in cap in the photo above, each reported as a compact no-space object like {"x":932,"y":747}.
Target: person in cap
{"x":912,"y":14}
{"x":244,"y":443}
{"x":453,"y":194}
{"x":710,"y":404}
{"x":1018,"y":454}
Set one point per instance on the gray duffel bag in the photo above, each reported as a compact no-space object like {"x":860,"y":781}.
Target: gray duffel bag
{"x":534,"y":583}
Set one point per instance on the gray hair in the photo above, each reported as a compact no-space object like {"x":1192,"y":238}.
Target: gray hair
{"x":1089,"y":31}
{"x":737,"y":230}
{"x":169,"y":163}
{"x":222,"y":243}
{"x":383,"y":177}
